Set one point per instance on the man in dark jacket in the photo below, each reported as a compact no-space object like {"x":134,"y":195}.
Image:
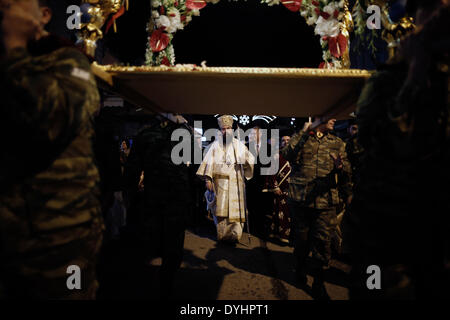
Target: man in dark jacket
{"x":167,"y":195}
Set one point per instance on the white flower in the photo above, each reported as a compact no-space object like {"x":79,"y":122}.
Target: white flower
{"x":337,"y":64}
{"x":304,"y":13}
{"x":341,"y":4}
{"x":329,"y":66}
{"x":326,"y":55}
{"x":327,"y":27}
{"x":175,"y":21}
{"x":311,"y":21}
{"x":330,"y":8}
{"x":273,"y":2}
{"x":163,"y":21}
{"x":168,"y":3}
{"x":195,"y":12}
{"x":188,"y":18}
{"x":156,"y":3}
{"x":171,"y":53}
{"x":173,"y":11}
{"x":155,"y":14}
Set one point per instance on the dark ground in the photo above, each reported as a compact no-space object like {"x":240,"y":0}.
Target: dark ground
{"x":210,"y":271}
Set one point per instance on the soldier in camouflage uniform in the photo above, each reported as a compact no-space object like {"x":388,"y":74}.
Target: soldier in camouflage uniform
{"x":49,"y":210}
{"x":167,"y":195}
{"x":399,"y":215}
{"x":319,"y":165}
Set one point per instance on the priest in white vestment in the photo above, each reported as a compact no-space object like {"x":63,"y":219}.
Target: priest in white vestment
{"x":221,"y":169}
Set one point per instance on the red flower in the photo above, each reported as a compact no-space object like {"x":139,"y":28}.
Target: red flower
{"x":324,"y":15}
{"x":323,"y":64}
{"x":159,"y":40}
{"x":292,"y":5}
{"x":316,"y":3}
{"x":161,"y":10}
{"x":317,"y":10}
{"x":337,"y":45}
{"x":176,"y":3}
{"x":165,"y":61}
{"x":183,"y":18}
{"x":336,"y":13}
{"x":195,"y":4}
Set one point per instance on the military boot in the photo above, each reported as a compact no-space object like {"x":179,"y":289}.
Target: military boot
{"x":319,"y":292}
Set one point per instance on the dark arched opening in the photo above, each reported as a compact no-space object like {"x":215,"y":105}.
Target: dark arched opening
{"x":248,"y":34}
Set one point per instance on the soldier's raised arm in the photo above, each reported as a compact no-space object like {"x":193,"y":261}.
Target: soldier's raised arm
{"x":296,"y":143}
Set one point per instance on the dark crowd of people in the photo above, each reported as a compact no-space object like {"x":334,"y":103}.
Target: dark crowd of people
{"x":373,"y":193}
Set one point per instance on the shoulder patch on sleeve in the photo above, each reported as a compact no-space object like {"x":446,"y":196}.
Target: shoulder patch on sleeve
{"x":81,"y":74}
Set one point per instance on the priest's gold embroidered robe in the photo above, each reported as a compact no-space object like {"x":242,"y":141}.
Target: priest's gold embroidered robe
{"x":222,"y":164}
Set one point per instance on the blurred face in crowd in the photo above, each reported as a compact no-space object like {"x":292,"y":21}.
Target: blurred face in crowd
{"x":124,"y":145}
{"x":255,"y":135}
{"x":46,"y":15}
{"x":424,"y":12}
{"x":328,"y":126}
{"x":285,"y":141}
{"x":30,"y":6}
{"x":353,"y":130}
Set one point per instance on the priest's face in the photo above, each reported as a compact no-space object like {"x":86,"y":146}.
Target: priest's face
{"x":227,"y":134}
{"x":225,"y":129}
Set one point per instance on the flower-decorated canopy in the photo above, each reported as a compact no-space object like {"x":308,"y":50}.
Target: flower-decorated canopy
{"x":288,"y":92}
{"x":331,"y":20}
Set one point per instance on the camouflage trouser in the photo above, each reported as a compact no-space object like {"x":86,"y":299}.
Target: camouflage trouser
{"x":312,"y":230}
{"x":43,"y":274}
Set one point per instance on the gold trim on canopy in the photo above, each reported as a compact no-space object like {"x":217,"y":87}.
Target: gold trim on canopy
{"x":296,"y":72}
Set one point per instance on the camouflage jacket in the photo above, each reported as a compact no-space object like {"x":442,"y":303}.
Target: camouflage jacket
{"x":48,"y":177}
{"x":405,"y":162}
{"x":314,"y":181}
{"x":166,"y":184}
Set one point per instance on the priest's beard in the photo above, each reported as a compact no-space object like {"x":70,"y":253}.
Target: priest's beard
{"x":227,"y":138}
